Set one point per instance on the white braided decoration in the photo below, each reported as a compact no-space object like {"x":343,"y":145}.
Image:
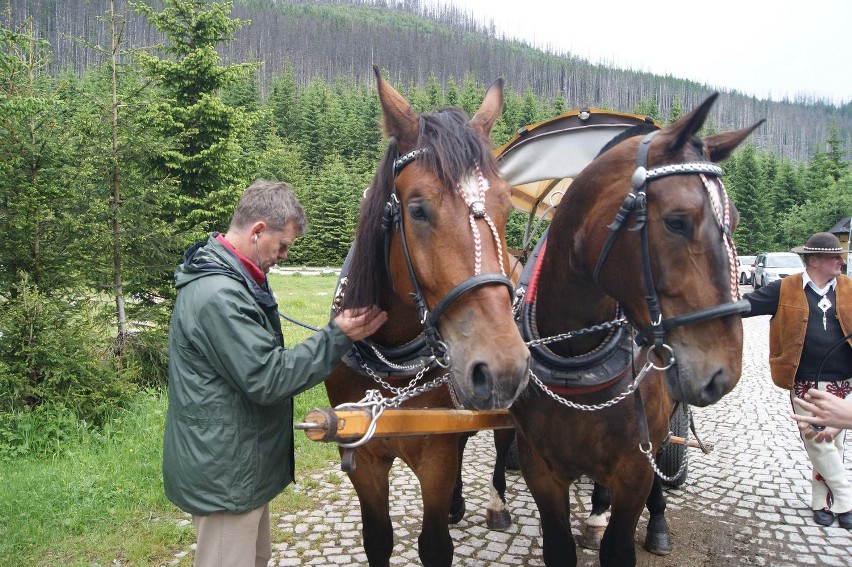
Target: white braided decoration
{"x":722,"y":210}
{"x":482,"y":186}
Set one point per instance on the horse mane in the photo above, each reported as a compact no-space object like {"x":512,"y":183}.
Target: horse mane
{"x":453,"y":148}
{"x":637,"y":130}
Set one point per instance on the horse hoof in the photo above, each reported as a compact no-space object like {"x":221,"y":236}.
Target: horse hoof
{"x":658,"y":543}
{"x":592,"y":537}
{"x":456,"y":517}
{"x":498,"y":520}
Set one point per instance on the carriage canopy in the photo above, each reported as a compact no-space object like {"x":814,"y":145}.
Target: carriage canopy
{"x":542,"y":159}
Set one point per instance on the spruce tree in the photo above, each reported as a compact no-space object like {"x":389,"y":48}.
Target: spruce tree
{"x":752,"y":200}
{"x":283,"y":101}
{"x":200,"y":132}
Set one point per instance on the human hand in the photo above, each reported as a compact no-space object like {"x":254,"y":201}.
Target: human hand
{"x":826,"y":409}
{"x":826,"y":435}
{"x":361,"y":322}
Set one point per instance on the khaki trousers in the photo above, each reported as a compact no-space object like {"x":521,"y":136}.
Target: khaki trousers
{"x":233,"y":540}
{"x":830,"y":484}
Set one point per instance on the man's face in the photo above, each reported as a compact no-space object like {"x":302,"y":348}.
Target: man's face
{"x":272,"y":246}
{"x":827,"y":265}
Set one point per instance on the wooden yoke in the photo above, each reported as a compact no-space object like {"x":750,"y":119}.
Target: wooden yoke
{"x":347,"y":425}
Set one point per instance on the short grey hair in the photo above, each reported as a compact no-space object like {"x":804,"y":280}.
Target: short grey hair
{"x":273,"y":202}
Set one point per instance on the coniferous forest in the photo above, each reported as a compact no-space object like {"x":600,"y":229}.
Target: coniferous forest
{"x":128,"y":129}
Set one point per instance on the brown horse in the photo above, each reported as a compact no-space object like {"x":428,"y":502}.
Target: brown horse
{"x":641,"y":240}
{"x":430,"y":249}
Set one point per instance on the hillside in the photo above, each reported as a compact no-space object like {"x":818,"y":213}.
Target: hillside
{"x":327,"y":39}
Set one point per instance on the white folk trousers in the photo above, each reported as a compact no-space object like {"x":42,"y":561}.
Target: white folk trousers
{"x":830,"y":484}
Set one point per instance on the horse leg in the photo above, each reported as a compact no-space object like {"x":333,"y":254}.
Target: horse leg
{"x":629,"y":496}
{"x":457,"y":505}
{"x":552,"y":498}
{"x":497,"y":515}
{"x":596,"y":522}
{"x":371,"y":481}
{"x":657,"y":537}
{"x":437,"y":469}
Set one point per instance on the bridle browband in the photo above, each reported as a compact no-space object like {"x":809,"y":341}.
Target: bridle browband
{"x":392,"y":217}
{"x":637,"y":201}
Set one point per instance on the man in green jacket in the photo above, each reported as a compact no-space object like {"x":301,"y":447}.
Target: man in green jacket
{"x":228,"y":443}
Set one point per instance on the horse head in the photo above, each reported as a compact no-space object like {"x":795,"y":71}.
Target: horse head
{"x":431,"y":246}
{"x":665,"y":252}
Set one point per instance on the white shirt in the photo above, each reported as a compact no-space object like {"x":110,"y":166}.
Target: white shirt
{"x":806,"y":279}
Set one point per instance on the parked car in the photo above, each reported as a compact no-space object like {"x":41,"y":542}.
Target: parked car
{"x":771,"y":266}
{"x":745,"y":267}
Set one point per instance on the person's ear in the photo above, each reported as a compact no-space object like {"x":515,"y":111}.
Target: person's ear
{"x":256,"y":229}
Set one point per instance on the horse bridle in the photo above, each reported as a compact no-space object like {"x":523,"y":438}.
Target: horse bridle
{"x":392,"y":217}
{"x":637,"y":201}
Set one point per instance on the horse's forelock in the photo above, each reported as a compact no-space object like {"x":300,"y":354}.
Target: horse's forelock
{"x":454,"y":146}
{"x":367,"y":271}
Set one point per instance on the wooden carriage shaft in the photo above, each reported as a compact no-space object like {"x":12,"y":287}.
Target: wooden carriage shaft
{"x":347,"y":425}
{"x":332,"y":425}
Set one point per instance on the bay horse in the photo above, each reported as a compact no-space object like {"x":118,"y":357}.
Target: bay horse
{"x":429,"y":249}
{"x":640,"y":241}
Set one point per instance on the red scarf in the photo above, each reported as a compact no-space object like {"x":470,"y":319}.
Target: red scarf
{"x":256,"y":273}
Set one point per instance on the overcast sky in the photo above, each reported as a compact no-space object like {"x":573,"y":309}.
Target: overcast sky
{"x":770,"y":49}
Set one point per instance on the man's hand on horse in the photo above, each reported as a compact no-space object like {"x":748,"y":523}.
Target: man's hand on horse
{"x":361,"y":322}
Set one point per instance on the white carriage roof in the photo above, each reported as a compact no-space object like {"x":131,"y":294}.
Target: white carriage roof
{"x":542,"y":159}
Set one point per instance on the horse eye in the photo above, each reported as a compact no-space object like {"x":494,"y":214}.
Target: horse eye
{"x":676,"y":224}
{"x":417,"y":212}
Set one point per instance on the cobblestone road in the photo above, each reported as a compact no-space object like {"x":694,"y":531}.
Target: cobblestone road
{"x":745,"y":503}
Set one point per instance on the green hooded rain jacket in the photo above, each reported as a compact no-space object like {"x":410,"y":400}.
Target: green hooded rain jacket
{"x":228,"y":443}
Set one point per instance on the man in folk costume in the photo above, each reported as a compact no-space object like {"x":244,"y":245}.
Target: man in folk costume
{"x":811,"y":313}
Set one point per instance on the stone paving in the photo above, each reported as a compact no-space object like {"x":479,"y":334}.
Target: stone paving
{"x":750,"y":495}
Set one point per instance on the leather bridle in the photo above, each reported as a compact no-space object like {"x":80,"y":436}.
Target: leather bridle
{"x":637,"y":201}
{"x":393,"y":217}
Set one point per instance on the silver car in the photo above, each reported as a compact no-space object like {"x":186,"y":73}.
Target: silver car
{"x":771,"y":266}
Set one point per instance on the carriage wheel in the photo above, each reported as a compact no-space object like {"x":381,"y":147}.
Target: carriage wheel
{"x":671,"y":457}
{"x":513,"y":460}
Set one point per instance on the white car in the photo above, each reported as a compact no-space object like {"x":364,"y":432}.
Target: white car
{"x":771,"y":266}
{"x":745,"y":267}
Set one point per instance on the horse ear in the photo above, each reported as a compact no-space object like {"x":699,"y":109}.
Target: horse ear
{"x":720,"y":146}
{"x":400,"y":121}
{"x":688,"y":126}
{"x":489,"y":111}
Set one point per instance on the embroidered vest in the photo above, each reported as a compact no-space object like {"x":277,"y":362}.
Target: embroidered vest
{"x":787,"y":328}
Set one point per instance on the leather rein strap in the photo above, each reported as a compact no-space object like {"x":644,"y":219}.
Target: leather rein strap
{"x":637,"y":201}
{"x":393,"y":217}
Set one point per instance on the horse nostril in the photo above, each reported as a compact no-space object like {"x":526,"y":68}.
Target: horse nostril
{"x":482,"y":381}
{"x":714,"y":389}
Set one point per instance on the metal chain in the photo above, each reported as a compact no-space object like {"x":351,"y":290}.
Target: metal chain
{"x":595,"y":407}
{"x":518,"y":301}
{"x":659,"y":473}
{"x":620,"y":322}
{"x":393,"y":365}
{"x":453,"y":396}
{"x":653,"y":461}
{"x":376,"y":404}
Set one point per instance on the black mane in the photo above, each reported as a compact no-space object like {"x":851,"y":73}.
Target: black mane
{"x":453,"y":148}
{"x":638,"y":130}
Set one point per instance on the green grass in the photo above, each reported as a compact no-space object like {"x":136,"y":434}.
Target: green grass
{"x":100,"y":498}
